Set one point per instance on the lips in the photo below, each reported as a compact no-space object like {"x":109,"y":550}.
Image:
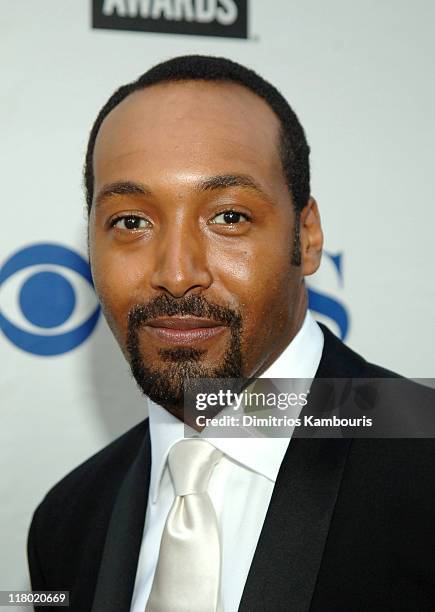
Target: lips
{"x":184,"y":330}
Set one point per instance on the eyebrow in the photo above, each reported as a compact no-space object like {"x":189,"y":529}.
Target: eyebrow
{"x":220,"y":181}
{"x":223,"y":181}
{"x":121,"y":188}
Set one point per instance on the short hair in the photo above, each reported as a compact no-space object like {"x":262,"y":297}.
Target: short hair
{"x":293,"y":147}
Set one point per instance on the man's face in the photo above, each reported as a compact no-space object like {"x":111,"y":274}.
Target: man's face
{"x":191,"y":235}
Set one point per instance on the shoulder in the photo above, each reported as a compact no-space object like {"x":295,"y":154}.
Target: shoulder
{"x":75,"y":514}
{"x":340,"y":361}
{"x":379,"y":388}
{"x":95,"y":481}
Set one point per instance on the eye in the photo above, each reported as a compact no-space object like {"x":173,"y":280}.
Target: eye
{"x":230,"y":217}
{"x":130,"y":222}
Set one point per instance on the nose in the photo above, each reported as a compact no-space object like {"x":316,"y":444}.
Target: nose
{"x":181,"y":264}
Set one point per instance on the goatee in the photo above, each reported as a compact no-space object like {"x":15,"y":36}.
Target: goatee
{"x":184,"y":371}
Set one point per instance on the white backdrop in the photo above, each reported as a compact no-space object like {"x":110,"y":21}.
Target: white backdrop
{"x":360,"y":76}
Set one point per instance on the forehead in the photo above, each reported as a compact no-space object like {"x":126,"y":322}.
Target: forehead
{"x":189,"y":126}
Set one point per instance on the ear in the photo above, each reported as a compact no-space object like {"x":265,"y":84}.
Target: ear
{"x":311,"y":237}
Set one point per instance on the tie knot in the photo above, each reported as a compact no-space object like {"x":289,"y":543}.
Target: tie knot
{"x":190,"y":464}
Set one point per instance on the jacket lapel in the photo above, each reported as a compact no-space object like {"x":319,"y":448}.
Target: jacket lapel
{"x":287,"y":559}
{"x":117,"y":573}
{"x":289,"y":552}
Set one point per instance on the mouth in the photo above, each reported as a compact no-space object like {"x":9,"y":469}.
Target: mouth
{"x":184,"y":330}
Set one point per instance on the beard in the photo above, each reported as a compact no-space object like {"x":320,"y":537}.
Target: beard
{"x":183,"y":371}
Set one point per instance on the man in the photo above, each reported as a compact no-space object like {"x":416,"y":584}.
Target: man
{"x":201,"y":231}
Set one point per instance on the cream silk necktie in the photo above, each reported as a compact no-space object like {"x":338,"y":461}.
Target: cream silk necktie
{"x":188,"y":567}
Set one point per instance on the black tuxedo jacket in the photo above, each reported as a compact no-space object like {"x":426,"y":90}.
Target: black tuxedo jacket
{"x":350,"y":525}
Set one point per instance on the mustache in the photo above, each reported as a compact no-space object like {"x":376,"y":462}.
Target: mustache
{"x":193,"y":305}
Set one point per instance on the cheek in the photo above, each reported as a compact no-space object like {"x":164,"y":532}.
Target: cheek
{"x":266,"y":286}
{"x":270,"y":299}
{"x":268,"y":321}
{"x":251,"y":265}
{"x":117,"y":283}
{"x":270,"y":307}
{"x":262,"y":282}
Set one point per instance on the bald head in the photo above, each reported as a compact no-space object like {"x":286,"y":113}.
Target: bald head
{"x":292,"y":146}
{"x":184,"y":132}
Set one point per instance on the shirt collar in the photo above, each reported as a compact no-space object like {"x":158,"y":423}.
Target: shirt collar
{"x":300,"y":359}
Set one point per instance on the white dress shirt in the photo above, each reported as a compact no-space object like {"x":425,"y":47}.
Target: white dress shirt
{"x":247,"y":471}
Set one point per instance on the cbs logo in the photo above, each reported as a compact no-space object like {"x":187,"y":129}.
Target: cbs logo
{"x":330,"y":308}
{"x":47,"y":300}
